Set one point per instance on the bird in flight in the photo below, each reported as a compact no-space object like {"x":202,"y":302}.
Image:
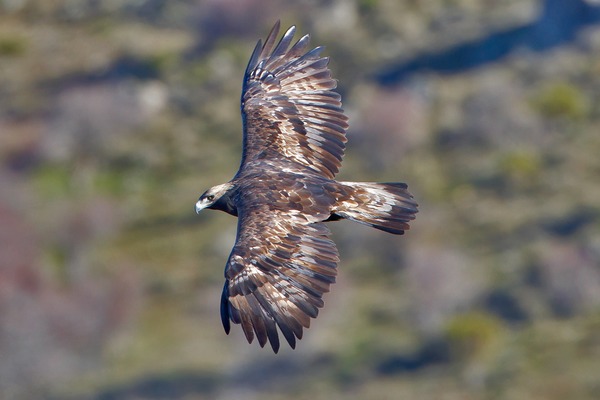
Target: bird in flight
{"x":294,"y":135}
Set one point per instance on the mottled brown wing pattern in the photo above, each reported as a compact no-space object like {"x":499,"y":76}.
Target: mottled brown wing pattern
{"x":289,"y":109}
{"x":277,"y":272}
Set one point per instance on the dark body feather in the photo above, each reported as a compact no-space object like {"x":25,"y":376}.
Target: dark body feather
{"x":283,"y":260}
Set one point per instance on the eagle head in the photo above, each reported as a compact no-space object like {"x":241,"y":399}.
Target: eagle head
{"x":217,"y":197}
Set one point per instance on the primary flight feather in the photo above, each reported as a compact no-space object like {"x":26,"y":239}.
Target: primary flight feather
{"x":283,"y":260}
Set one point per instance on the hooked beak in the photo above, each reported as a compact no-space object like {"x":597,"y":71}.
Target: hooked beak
{"x":200,"y":205}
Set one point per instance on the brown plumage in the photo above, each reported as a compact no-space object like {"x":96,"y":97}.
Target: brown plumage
{"x":294,"y":137}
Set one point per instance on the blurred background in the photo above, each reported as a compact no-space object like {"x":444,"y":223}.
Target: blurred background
{"x":115,"y":115}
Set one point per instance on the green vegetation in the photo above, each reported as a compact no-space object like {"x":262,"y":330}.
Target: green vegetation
{"x":12,"y":46}
{"x":473,"y":335}
{"x":561,"y":100}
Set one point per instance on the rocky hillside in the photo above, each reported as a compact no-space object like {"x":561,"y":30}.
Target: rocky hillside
{"x":116,"y":115}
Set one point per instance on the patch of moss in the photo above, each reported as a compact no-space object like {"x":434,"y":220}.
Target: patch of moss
{"x":561,"y":100}
{"x":368,"y":5}
{"x":57,"y":259}
{"x":110,"y":182}
{"x":163,"y":60}
{"x":520,"y":164}
{"x":471,"y":335}
{"x":12,"y":46}
{"x":53,"y":180}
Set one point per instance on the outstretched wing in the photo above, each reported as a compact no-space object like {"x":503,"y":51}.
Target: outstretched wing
{"x":289,"y":109}
{"x":277,"y":272}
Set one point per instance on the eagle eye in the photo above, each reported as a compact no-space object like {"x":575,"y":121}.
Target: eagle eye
{"x":210,"y":197}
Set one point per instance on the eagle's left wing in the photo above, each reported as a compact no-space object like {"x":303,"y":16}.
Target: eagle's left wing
{"x":277,"y":272}
{"x":291,"y":113}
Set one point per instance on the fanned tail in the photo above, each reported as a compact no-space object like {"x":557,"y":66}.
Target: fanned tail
{"x":385,"y":206}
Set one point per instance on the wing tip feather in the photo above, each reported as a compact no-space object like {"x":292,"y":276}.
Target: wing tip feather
{"x":225,"y":316}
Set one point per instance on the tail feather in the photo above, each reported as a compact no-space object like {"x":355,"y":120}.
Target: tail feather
{"x":385,"y":206}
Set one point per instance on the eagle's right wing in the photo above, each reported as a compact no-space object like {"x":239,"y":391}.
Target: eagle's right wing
{"x":291,"y":113}
{"x":277,"y":272}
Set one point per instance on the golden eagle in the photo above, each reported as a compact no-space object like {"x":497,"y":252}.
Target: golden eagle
{"x":294,"y":138}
